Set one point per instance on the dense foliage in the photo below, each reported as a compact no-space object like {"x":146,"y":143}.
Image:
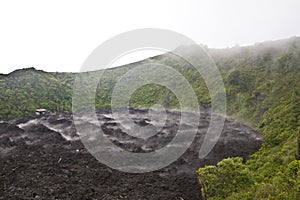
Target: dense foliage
{"x":23,"y":91}
{"x":263,"y":89}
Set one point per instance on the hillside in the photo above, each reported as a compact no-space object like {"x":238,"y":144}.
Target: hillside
{"x":263,"y":90}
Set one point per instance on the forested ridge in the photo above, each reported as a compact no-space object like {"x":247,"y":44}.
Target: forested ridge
{"x":25,"y":90}
{"x":263,"y":90}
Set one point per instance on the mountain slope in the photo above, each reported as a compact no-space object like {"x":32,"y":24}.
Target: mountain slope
{"x":25,"y":90}
{"x":263,"y":89}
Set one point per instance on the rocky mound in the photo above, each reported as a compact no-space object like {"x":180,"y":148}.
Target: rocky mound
{"x":43,"y":158}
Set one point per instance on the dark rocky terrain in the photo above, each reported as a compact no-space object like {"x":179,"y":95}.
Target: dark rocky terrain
{"x":43,"y":158}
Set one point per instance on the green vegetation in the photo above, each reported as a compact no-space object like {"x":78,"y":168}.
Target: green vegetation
{"x":23,"y":91}
{"x":229,"y":176}
{"x":263,"y":90}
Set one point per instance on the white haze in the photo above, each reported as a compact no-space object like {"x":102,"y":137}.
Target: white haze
{"x":59,"y":35}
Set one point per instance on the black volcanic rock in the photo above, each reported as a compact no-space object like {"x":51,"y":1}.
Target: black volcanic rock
{"x":43,"y":158}
{"x":11,"y":128}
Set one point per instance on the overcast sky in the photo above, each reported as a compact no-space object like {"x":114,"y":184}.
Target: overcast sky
{"x":58,"y":35}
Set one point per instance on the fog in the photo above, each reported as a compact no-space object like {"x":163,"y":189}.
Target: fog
{"x":59,"y":35}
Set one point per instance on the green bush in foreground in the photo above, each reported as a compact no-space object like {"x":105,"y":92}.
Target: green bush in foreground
{"x":230,"y":175}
